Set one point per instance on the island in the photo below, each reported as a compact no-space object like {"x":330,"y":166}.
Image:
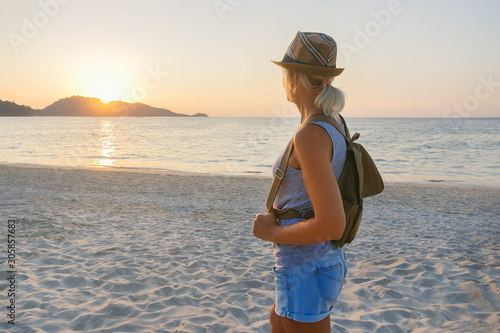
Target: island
{"x":80,"y":106}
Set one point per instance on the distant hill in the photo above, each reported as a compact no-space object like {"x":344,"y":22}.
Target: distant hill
{"x":12,"y":109}
{"x":79,"y":106}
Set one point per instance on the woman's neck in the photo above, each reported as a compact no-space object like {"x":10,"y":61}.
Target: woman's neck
{"x":307,"y":109}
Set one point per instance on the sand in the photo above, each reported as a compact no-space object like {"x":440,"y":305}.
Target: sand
{"x":157,"y":252}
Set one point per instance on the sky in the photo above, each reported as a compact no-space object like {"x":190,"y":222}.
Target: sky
{"x":402,"y":58}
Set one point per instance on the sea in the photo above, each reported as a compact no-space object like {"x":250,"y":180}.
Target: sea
{"x":448,"y":150}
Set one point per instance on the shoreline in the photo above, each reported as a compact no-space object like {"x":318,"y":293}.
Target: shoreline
{"x":421,"y":181}
{"x":126,"y":169}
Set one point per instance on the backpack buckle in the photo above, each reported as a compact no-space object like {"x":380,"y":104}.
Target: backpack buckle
{"x":306,"y":213}
{"x":279,"y":173}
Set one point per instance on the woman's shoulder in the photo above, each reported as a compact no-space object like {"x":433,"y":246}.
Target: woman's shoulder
{"x":310,"y":136}
{"x":330,"y":128}
{"x":333,"y":119}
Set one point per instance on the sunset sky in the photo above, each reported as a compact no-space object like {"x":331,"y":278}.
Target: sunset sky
{"x":426,"y":58}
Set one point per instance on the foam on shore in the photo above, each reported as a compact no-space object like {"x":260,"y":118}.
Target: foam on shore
{"x":158,"y":252}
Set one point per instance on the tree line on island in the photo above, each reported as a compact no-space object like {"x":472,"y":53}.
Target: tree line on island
{"x":79,"y":106}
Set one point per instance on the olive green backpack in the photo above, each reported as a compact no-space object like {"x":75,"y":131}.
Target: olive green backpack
{"x":359,"y":179}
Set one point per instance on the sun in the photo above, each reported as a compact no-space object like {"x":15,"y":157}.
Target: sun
{"x":106,"y":90}
{"x":102,"y":79}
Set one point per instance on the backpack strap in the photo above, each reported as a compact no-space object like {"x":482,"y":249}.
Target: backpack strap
{"x":279,"y":173}
{"x":334,"y":123}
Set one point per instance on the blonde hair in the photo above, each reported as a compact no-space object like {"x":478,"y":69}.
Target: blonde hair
{"x":330,"y":100}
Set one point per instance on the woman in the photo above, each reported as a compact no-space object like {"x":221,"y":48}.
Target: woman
{"x":310,"y":270}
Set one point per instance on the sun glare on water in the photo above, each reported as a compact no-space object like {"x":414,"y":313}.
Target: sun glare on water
{"x":107,"y":145}
{"x":104,"y":80}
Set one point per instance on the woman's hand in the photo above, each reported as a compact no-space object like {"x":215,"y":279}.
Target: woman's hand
{"x":264,"y":226}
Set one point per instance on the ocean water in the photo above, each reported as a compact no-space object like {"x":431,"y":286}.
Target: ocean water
{"x":405,"y":149}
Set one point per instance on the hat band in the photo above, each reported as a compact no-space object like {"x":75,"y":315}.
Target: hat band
{"x":287,"y":58}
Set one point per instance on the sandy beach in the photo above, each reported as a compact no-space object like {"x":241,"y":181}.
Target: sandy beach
{"x":107,"y":251}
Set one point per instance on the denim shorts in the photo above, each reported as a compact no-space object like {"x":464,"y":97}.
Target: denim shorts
{"x":307,"y":293}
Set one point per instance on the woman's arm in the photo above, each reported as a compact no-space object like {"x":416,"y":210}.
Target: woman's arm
{"x":313,"y":152}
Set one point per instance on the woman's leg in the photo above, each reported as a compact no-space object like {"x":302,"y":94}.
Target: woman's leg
{"x":276,"y":321}
{"x":286,"y":325}
{"x":292,"y":326}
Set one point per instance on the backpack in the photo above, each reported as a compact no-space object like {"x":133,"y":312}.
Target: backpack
{"x":359,"y":179}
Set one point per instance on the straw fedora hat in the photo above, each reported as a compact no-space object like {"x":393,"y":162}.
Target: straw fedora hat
{"x":312,"y":53}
